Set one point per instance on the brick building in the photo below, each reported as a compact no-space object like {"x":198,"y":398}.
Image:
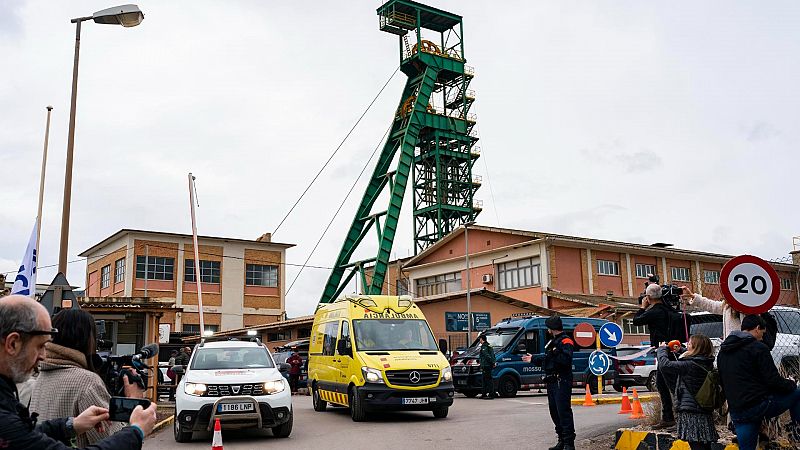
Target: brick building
{"x":243,"y":281}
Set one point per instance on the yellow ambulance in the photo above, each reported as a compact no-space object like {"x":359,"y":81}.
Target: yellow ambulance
{"x":377,"y":352}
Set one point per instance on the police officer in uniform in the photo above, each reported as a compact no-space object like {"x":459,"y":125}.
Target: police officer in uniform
{"x":558,"y":378}
{"x":487,"y":361}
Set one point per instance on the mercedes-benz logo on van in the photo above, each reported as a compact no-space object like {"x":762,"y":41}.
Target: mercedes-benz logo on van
{"x":414,"y":377}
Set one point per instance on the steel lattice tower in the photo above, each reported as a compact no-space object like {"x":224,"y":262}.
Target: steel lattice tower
{"x":433,"y":133}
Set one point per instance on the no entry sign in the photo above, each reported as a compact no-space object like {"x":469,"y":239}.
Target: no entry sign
{"x":750,"y":284}
{"x":584,"y":334}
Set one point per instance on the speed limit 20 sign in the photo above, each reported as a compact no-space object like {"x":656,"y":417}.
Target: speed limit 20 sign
{"x":750,"y":284}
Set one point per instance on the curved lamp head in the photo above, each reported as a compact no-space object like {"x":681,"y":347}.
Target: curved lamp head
{"x":125,"y":15}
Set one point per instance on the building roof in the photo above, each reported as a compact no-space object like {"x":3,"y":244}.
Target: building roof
{"x":297,"y":321}
{"x":127,"y":304}
{"x":597,"y":243}
{"x":483,"y":292}
{"x":125,"y":231}
{"x":596,"y":301}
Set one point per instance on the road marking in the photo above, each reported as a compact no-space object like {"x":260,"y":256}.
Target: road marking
{"x":526,"y":403}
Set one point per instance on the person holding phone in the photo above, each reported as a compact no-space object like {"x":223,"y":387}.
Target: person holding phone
{"x":25,"y":329}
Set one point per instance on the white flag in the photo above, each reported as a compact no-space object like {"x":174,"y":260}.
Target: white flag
{"x":25,"y":283}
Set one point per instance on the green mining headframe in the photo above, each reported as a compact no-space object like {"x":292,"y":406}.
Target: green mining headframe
{"x":433,"y":132}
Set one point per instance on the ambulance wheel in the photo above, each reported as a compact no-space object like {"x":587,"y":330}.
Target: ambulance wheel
{"x":180,"y":435}
{"x":507,"y":386}
{"x":319,"y":404}
{"x":357,"y":412}
{"x":441,"y":412}
{"x":470,"y":394}
{"x":284,"y":430}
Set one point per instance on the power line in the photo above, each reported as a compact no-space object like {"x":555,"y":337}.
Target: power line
{"x":335,"y":151}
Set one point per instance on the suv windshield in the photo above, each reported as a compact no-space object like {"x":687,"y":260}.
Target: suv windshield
{"x":498,"y":338}
{"x":393,"y":334}
{"x":231,"y":358}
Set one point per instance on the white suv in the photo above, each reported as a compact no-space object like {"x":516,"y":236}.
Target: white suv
{"x":236,"y":382}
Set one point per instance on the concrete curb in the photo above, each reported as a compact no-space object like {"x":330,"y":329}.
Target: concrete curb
{"x":164,"y":423}
{"x":647,"y":440}
{"x":578,"y":400}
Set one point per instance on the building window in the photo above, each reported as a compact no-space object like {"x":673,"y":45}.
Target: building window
{"x":119,"y":270}
{"x":155,"y":268}
{"x":607,"y":267}
{"x":680,"y":274}
{"x":258,"y":275}
{"x":786,"y":284}
{"x":517,"y":274}
{"x":629,"y":328}
{"x":711,"y":276}
{"x":645,"y":270}
{"x":105,"y":277}
{"x":402,"y":287}
{"x":439,"y":284}
{"x":279,"y":336}
{"x":209,"y":271}
{"x":195,"y":328}
{"x":303,"y":333}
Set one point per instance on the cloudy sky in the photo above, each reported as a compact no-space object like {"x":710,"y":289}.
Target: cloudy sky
{"x":624,"y":120}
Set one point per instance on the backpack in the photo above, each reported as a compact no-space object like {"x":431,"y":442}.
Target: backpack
{"x":710,"y":395}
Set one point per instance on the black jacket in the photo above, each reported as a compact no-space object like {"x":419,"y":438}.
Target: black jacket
{"x":558,"y":356}
{"x":691,"y":373}
{"x":17,"y":430}
{"x":182,"y":359}
{"x":487,"y":358}
{"x":748,"y":373}
{"x":660,"y":319}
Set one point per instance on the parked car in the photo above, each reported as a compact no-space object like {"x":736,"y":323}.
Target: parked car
{"x":640,"y":371}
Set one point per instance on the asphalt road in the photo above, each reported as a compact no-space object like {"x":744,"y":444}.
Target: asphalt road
{"x":519,"y":423}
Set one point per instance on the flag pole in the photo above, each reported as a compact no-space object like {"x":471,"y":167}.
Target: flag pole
{"x":41,"y":178}
{"x":196,"y":256}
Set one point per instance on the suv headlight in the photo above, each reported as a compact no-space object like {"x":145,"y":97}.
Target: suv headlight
{"x":197,"y":389}
{"x":372,"y":375}
{"x":447,"y":374}
{"x":273,"y":387}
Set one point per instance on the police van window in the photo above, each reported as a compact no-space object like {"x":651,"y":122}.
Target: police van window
{"x":345,"y":331}
{"x":329,"y":338}
{"x":531,"y":341}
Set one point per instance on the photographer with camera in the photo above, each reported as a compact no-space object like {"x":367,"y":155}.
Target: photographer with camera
{"x":25,"y":329}
{"x":659,"y":318}
{"x":68,"y":382}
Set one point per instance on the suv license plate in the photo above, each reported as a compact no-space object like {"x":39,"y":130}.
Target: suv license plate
{"x":415,"y":401}
{"x":234,"y":407}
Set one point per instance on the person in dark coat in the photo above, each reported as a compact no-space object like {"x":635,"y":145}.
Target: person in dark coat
{"x":25,"y":328}
{"x":487,"y":361}
{"x":695,"y":423}
{"x":295,"y":367}
{"x":751,"y":382}
{"x":657,"y":317}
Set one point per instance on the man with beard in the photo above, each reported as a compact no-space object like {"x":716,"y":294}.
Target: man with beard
{"x":25,"y":327}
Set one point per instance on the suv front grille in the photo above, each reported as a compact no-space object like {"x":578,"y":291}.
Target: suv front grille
{"x":408,"y":377}
{"x":227,"y":390}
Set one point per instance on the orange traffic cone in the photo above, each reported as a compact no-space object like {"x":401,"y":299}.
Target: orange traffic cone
{"x":588,"y":400}
{"x":216,"y":443}
{"x":626,"y":404}
{"x":637,"y":412}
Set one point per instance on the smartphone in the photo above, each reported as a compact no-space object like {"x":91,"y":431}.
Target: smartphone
{"x":120,"y":408}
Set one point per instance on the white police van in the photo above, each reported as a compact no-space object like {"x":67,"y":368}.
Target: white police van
{"x":236,"y":382}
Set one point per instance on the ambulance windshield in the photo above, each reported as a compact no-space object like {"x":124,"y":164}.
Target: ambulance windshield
{"x":393,"y":334}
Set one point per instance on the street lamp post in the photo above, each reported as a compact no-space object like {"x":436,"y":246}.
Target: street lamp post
{"x":127,"y":16}
{"x":469,"y":287}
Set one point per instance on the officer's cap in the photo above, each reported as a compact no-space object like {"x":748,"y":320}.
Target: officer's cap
{"x":554,"y":323}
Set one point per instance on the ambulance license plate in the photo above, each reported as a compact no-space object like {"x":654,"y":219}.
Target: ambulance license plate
{"x":415,"y":401}
{"x":234,"y":407}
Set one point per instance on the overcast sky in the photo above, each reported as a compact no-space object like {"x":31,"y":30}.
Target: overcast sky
{"x":625,"y":120}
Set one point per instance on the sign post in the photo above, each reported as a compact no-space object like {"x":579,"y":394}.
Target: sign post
{"x":749,"y":284}
{"x":610,"y":335}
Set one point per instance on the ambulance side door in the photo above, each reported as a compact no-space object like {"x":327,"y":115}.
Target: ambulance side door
{"x":344,"y":353}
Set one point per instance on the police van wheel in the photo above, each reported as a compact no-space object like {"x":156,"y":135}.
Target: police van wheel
{"x":507,"y":386}
{"x":441,"y":412}
{"x":319,"y":404}
{"x":357,"y":412}
{"x":180,"y":435}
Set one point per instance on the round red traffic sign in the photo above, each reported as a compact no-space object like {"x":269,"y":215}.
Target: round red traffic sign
{"x":750,"y":284}
{"x":584,"y":334}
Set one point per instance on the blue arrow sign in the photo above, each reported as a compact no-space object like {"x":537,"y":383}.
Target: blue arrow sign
{"x":611,"y":334}
{"x":599,"y":362}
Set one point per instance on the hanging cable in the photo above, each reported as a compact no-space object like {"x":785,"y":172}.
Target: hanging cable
{"x":341,"y":205}
{"x":335,"y":151}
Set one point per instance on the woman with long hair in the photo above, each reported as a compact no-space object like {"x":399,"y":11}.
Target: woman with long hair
{"x":695,"y":423}
{"x":67,"y":383}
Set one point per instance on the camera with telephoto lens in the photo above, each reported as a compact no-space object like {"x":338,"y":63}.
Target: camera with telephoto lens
{"x":670,"y":293}
{"x":113,"y":367}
